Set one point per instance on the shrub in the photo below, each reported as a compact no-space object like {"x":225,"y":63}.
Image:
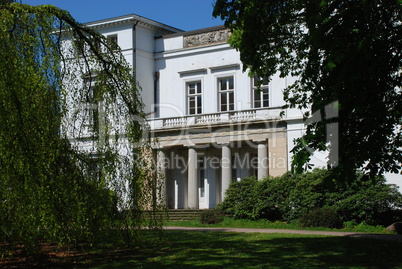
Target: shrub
{"x":253,"y":199}
{"x":272,"y":198}
{"x":321,"y":217}
{"x":309,"y":191}
{"x":291,"y":196}
{"x":240,"y":199}
{"x":212,"y":216}
{"x":371,"y":201}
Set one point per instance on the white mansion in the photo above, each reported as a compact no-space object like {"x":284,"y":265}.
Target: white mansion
{"x":211,"y":122}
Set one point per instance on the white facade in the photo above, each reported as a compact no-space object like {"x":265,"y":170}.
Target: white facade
{"x":136,"y":39}
{"x":208,"y":127}
{"x":211,"y":124}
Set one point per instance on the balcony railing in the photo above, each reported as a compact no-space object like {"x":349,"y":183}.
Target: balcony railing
{"x":243,"y":115}
{"x":217,"y":118}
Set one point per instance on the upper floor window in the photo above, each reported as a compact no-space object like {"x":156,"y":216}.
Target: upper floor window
{"x":260,"y":92}
{"x":113,"y":41}
{"x":194,"y":97}
{"x":226,"y":93}
{"x":91,"y":108}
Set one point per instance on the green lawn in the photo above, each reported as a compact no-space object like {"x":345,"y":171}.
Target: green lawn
{"x":233,"y":250}
{"x":232,"y":223}
{"x":181,"y":249}
{"x":190,"y":249}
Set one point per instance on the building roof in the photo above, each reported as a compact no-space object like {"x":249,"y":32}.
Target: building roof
{"x":133,"y":18}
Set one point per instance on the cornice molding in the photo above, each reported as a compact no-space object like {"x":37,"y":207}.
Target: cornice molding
{"x":134,"y":19}
{"x":194,"y":71}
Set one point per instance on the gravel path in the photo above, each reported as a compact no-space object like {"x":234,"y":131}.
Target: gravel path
{"x":388,"y":237}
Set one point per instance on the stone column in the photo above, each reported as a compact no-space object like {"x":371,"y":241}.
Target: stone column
{"x":262,"y":161}
{"x":226,"y":162}
{"x":192,"y":179}
{"x":162,"y":181}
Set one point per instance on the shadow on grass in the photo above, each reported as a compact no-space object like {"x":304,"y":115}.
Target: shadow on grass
{"x":234,"y":250}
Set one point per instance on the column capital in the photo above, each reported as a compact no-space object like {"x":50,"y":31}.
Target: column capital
{"x":223,"y":144}
{"x":191,"y":146}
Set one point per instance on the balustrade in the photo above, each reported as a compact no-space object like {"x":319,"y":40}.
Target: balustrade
{"x":174,"y":122}
{"x":237,"y":116}
{"x":243,"y":116}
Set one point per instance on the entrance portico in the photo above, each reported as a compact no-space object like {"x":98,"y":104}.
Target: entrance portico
{"x":197,"y":177}
{"x":201,"y":160}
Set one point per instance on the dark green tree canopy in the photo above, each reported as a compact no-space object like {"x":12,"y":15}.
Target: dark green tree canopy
{"x":346,"y":56}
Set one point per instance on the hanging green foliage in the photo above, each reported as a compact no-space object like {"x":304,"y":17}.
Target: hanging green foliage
{"x":71,"y":130}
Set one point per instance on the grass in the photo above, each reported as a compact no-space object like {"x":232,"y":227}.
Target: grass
{"x":231,"y":250}
{"x":235,"y":250}
{"x":233,"y":223}
{"x":191,"y":249}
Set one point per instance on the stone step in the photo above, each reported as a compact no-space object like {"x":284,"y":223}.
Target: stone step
{"x":181,"y":214}
{"x":184,"y":214}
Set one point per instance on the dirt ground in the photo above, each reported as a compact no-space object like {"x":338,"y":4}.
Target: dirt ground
{"x":52,"y":256}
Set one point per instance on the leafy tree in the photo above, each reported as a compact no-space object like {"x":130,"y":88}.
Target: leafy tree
{"x":344,"y":53}
{"x":49,"y":188}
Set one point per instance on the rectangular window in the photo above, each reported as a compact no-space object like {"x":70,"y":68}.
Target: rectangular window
{"x":194,"y":97}
{"x":94,"y":167}
{"x":91,"y":112}
{"x":260,"y":92}
{"x":226,"y":93}
{"x":113,"y":41}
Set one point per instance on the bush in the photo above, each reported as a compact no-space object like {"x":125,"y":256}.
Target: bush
{"x":240,"y":199}
{"x":273,"y":198}
{"x":370,"y":201}
{"x":291,"y":196}
{"x":321,"y":217}
{"x":309,"y":191}
{"x":253,"y":199}
{"x":211,"y":216}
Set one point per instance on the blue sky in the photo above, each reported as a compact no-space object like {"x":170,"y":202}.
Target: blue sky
{"x":183,"y":14}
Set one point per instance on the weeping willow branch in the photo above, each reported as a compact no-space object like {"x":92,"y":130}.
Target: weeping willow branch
{"x":59,"y":181}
